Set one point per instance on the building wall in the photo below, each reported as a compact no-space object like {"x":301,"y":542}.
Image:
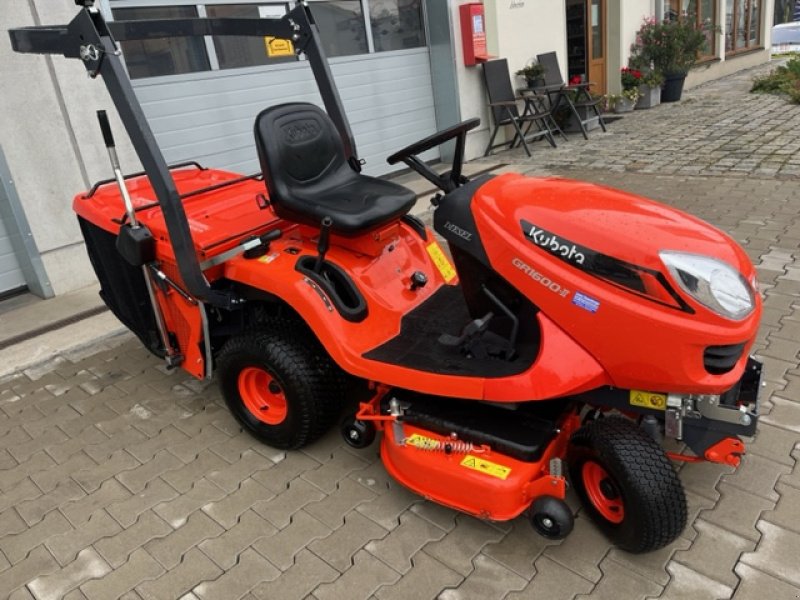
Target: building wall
{"x":51,"y":140}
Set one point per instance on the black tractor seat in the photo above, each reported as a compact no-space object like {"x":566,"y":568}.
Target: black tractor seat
{"x":309,"y":178}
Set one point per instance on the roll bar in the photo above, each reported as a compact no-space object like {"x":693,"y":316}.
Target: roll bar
{"x":91,"y":39}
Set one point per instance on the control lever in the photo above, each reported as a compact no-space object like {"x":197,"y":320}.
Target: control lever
{"x":323,"y":243}
{"x":138,"y":239}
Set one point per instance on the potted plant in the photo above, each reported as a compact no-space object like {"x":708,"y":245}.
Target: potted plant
{"x":650,"y":90}
{"x":625,"y":101}
{"x":631,"y":80}
{"x":533,"y":73}
{"x":672,"y":48}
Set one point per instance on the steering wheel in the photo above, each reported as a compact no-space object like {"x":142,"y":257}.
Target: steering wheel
{"x":449,"y":181}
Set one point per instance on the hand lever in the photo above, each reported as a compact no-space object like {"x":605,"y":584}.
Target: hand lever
{"x":323,"y":243}
{"x":108,"y":138}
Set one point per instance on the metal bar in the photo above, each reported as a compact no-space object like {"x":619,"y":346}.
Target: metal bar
{"x":167,"y":28}
{"x":102,"y":182}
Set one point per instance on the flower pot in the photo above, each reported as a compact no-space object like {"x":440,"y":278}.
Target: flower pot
{"x":535,"y":82}
{"x":648,"y":96}
{"x":673,"y":87}
{"x":623,"y":105}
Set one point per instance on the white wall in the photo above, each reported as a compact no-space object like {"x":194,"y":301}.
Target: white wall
{"x":50,"y":137}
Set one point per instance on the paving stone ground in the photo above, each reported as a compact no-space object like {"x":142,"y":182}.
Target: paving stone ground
{"x":119,"y":479}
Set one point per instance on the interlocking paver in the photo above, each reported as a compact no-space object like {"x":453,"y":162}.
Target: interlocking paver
{"x":88,"y":565}
{"x":339,"y":548}
{"x":688,"y":584}
{"x":227,"y":511}
{"x":738,"y":511}
{"x":92,"y":478}
{"x":128,"y":511}
{"x":49,"y":479}
{"x":582,"y":551}
{"x":38,"y":563}
{"x":330,"y":473}
{"x":136,"y":479}
{"x":403,"y":542}
{"x":13,"y":476}
{"x":757,"y":585}
{"x":185,"y":477}
{"x":554,"y":582}
{"x":653,"y":565}
{"x":286,"y":468}
{"x":169,"y":550}
{"x":426,"y":579}
{"x":714,"y":552}
{"x":65,"y":547}
{"x":139,"y":568}
{"x":279,"y":509}
{"x":616,"y":577}
{"x":16,"y":546}
{"x":116,"y":549}
{"x":519,"y":549}
{"x":175,"y":511}
{"x":225,"y":548}
{"x":776,"y":553}
{"x":34,"y":510}
{"x":230,"y":476}
{"x":489,"y":579}
{"x":332,"y":508}
{"x":110,"y":491}
{"x":359,"y":581}
{"x":281,"y":548}
{"x":299,"y":580}
{"x":24,"y":491}
{"x":250,"y":570}
{"x":191,"y":572}
{"x":461,"y":545}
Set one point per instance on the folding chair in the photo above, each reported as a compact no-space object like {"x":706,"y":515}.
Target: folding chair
{"x":505,"y":110}
{"x":574,"y":96}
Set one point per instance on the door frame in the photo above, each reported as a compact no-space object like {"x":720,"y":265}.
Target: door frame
{"x":597,"y":65}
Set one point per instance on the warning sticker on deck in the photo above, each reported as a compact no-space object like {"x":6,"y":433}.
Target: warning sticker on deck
{"x":420,"y":441}
{"x":648,"y":400}
{"x":485,"y":466}
{"x":441,"y":262}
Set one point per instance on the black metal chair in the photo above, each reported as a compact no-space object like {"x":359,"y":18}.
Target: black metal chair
{"x":573,"y":96}
{"x":505,"y":110}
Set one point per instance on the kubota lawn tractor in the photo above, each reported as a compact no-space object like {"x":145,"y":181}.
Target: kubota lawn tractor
{"x":571,"y":329}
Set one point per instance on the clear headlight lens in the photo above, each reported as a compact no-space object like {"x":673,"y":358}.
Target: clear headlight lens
{"x":711,"y":282}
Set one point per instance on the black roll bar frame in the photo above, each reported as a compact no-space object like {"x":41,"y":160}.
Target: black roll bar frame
{"x":91,"y":39}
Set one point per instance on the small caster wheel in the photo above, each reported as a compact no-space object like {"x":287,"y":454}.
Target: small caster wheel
{"x":358,"y":434}
{"x":551,"y":517}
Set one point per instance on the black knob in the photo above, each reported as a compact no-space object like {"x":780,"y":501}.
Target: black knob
{"x":418,"y":280}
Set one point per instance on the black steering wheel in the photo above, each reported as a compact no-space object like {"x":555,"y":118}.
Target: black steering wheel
{"x":450,"y":180}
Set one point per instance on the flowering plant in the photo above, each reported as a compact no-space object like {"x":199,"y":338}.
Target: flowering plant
{"x":653,"y":79}
{"x":631,"y":78}
{"x":631,"y":94}
{"x":672,"y":47}
{"x":575,"y":80}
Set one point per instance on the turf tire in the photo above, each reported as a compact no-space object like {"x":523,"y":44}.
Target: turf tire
{"x":652,"y":495}
{"x":311,"y":384}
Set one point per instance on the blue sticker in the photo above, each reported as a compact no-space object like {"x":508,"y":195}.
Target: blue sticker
{"x":585,"y":302}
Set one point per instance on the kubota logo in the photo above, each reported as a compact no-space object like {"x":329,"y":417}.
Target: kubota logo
{"x":553,"y":244}
{"x":301,"y":131}
{"x":462,"y":233}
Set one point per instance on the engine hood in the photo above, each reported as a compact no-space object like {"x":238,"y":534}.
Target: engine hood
{"x":567,"y":218}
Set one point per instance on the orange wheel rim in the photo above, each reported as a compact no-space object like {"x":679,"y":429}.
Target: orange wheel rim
{"x":262,"y":395}
{"x":603,"y":492}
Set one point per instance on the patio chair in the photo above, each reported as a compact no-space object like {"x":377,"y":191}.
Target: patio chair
{"x":505,"y":110}
{"x":573,"y":96}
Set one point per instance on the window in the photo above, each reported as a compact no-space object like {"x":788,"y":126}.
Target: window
{"x":742,"y":25}
{"x":244,"y":51}
{"x":703,"y":13}
{"x":396,"y":24}
{"x":164,"y":56}
{"x":393,"y":25}
{"x":341,"y":27}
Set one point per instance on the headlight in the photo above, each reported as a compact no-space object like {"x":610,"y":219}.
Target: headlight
{"x":711,"y":282}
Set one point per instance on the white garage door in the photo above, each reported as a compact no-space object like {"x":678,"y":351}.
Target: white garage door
{"x":10,"y":272}
{"x":201,"y":95}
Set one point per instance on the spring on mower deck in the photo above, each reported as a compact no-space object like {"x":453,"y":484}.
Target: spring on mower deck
{"x":448,"y":446}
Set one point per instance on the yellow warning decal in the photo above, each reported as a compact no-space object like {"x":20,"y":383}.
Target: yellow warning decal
{"x":441,"y":262}
{"x":648,"y":400}
{"x":485,"y":466}
{"x":420,"y":441}
{"x":278,"y":46}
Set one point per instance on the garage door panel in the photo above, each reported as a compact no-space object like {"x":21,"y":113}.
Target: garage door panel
{"x":388,"y":98}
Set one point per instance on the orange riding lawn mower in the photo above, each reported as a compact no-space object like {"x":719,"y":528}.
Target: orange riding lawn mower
{"x":566,"y":333}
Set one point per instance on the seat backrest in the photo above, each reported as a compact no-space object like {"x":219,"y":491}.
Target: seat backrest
{"x":552,"y":72}
{"x":498,"y":87}
{"x":298,"y":145}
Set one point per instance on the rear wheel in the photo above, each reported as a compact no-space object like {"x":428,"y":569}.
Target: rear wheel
{"x":282,"y":390}
{"x":627,"y":484}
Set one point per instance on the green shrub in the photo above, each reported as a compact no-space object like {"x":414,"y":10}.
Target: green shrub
{"x":784,"y":79}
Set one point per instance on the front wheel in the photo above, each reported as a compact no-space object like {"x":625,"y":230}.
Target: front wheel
{"x":627,"y":484}
{"x":278,"y":388}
